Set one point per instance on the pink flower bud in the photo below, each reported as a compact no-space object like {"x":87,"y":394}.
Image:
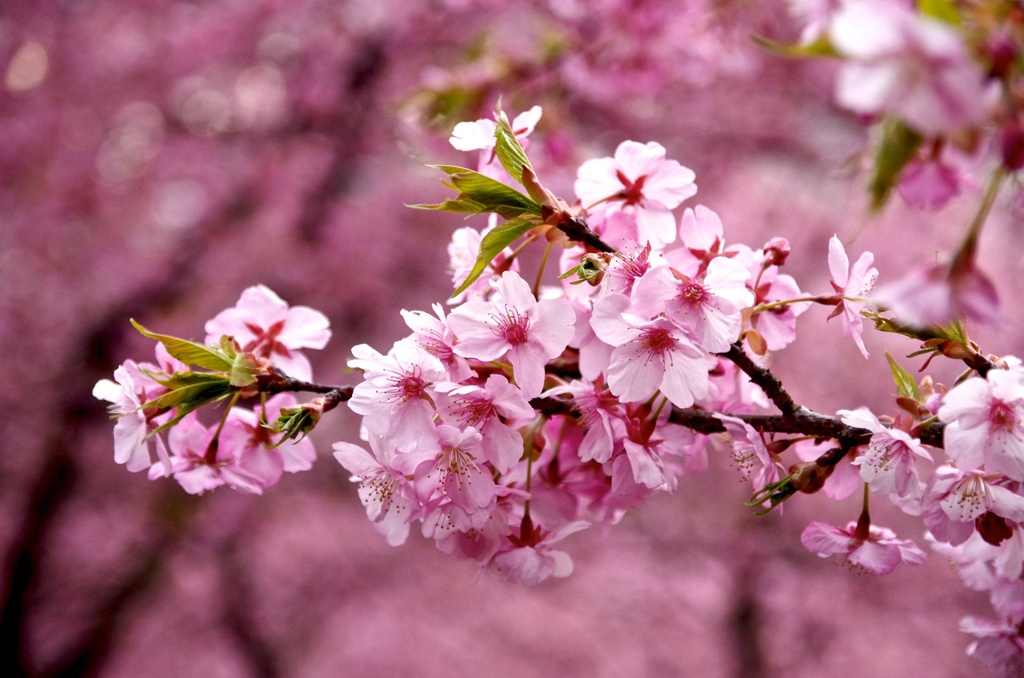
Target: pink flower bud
{"x":776,"y":251}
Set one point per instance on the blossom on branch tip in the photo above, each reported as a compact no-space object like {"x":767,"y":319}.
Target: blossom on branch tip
{"x":638,"y":180}
{"x":264,"y":325}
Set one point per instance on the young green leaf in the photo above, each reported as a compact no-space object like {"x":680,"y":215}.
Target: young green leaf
{"x":821,"y":47}
{"x":905,"y":384}
{"x":480,"y":193}
{"x":188,"y":352}
{"x":943,"y":10}
{"x":492,"y":244}
{"x":508,"y":149}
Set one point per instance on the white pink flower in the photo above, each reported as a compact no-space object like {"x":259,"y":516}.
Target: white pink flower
{"x":651,"y":355}
{"x":263,"y":324}
{"x":515,"y":324}
{"x":706,"y":307}
{"x":986,"y":423}
{"x":888,"y":464}
{"x":853,"y":285}
{"x":639,"y":180}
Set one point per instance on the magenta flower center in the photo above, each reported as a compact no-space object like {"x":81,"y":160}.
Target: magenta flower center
{"x":692,"y":293}
{"x":1002,"y":416}
{"x":657,"y":341}
{"x":474,"y":411}
{"x":265,"y":343}
{"x":632,"y":191}
{"x":408,"y":386}
{"x":512,"y":326}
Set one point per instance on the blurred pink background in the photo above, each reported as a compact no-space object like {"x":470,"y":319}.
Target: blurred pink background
{"x":158,"y":157}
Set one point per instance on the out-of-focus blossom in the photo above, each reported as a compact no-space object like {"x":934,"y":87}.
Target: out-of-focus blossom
{"x":1000,"y":645}
{"x":903,"y":63}
{"x":530,"y":564}
{"x":936,"y":295}
{"x":928,"y":185}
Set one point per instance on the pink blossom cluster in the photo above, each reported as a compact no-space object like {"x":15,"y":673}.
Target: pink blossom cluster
{"x":241,"y":451}
{"x":524,"y":415}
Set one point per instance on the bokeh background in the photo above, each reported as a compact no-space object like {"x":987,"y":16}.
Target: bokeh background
{"x":157,"y":157}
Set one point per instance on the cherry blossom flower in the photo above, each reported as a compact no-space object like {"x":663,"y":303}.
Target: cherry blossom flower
{"x":702,"y":237}
{"x":928,"y":185}
{"x":904,"y":63}
{"x":777,"y":325}
{"x":599,"y":415}
{"x":264,"y":325}
{"x":878,"y":552}
{"x":457,"y":471}
{"x":1000,"y":644}
{"x":651,"y":355}
{"x":432,"y":334}
{"x":389,"y":497}
{"x":251,"y":442}
{"x":853,"y":285}
{"x":131,"y":388}
{"x":531,"y":563}
{"x":193,"y":466}
{"x":955,"y":500}
{"x":708,"y":307}
{"x":986,"y":423}
{"x":394,"y":397}
{"x":749,"y":453}
{"x":641,"y":181}
{"x":483,"y":408}
{"x":479,"y":135}
{"x":530,"y":332}
{"x":888,"y":463}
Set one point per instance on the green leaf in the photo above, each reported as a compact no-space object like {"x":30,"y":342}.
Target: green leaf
{"x":479,"y":193}
{"x":905,"y":384}
{"x":181,"y":379}
{"x":244,"y":370}
{"x":193,"y":396}
{"x":508,"y":149}
{"x":943,"y":10}
{"x":492,"y":244}
{"x":821,"y":47}
{"x":897,"y":147}
{"x":188,"y":352}
{"x":459,"y":204}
